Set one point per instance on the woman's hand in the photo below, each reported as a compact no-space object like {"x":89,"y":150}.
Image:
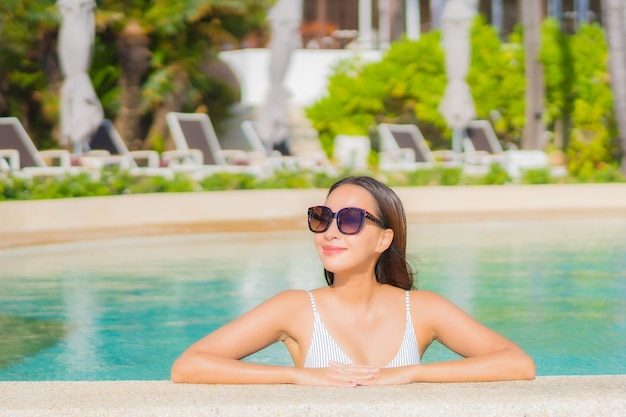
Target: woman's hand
{"x":390,"y":376}
{"x":337,"y":375}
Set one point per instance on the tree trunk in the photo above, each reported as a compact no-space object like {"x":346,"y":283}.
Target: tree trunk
{"x":534,"y":128}
{"x":396,"y":17}
{"x":614,"y":17}
{"x":134,"y":60}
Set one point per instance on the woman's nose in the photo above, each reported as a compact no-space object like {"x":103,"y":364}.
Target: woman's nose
{"x":333,"y":229}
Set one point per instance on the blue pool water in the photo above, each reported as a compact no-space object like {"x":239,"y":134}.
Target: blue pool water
{"x":128,"y":307}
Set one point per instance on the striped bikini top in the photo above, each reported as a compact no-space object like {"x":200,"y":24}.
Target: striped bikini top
{"x":324,"y":349}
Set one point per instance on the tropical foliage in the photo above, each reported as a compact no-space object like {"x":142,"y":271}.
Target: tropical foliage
{"x":150,"y":57}
{"x":579,"y":96}
{"x":407,"y":85}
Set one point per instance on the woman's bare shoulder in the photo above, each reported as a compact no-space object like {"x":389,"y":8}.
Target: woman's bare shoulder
{"x":290,"y":296}
{"x":423,"y":294}
{"x":427,"y":297}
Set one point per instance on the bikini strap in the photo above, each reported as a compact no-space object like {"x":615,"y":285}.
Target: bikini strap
{"x":312,"y":301}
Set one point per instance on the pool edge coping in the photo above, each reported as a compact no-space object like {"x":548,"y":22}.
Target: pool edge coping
{"x":545,"y":396}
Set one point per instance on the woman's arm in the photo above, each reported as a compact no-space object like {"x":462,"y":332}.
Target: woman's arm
{"x":216,"y":358}
{"x":487,"y":355}
{"x":200,"y":367}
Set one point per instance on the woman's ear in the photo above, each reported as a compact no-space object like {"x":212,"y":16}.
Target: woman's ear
{"x":385,"y":240}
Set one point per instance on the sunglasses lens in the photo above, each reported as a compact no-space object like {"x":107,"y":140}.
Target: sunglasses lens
{"x":350,"y":220}
{"x":320,"y":218}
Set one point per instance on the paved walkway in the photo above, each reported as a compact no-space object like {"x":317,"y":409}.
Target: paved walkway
{"x":47,"y":221}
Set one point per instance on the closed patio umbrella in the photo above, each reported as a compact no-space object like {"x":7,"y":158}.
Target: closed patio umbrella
{"x":81,"y":111}
{"x":457,"y":106}
{"x":273,"y":119}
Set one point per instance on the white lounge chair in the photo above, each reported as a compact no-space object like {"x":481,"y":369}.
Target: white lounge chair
{"x":271,"y":156}
{"x":482,"y":148}
{"x":309,"y":160}
{"x":21,"y":157}
{"x":108,"y":148}
{"x":481,"y":145}
{"x":404,"y":148}
{"x":198,"y":149}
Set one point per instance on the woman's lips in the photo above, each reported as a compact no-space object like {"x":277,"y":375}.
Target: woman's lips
{"x":332,"y":250}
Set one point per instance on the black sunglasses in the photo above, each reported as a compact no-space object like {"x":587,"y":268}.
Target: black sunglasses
{"x":349,"y":220}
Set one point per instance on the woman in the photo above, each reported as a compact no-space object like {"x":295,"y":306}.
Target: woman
{"x":367,"y":326}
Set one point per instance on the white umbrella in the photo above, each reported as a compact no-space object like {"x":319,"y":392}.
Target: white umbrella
{"x":81,"y":111}
{"x":457,"y":106}
{"x":273,"y":120}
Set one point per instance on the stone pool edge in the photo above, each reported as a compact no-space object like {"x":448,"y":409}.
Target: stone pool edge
{"x":545,"y":396}
{"x":38,"y":222}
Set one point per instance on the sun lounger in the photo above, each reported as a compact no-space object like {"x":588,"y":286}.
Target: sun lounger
{"x":482,"y":148}
{"x":198,"y":149}
{"x":108,"y":148}
{"x":21,"y":157}
{"x":481,"y":145}
{"x":404,"y":148}
{"x":274,"y":157}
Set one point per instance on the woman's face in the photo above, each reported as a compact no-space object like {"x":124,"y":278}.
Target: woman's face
{"x":352,"y":254}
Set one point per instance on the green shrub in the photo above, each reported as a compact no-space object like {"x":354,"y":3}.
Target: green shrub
{"x":424,"y":177}
{"x":450,"y":176}
{"x":113,"y":181}
{"x":497,"y":175}
{"x":591,"y":146}
{"x":228,"y":181}
{"x":607,"y":174}
{"x":403,"y":86}
{"x":497,"y":80}
{"x":407,"y":85}
{"x":536,"y":176}
{"x":81,"y":185}
{"x":299,"y":179}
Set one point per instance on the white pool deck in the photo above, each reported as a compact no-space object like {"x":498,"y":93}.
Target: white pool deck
{"x":49,"y":221}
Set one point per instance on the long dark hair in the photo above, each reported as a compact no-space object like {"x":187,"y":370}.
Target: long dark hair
{"x":392,"y":267}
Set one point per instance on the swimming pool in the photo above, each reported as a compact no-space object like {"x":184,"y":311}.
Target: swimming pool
{"x":125,"y":309}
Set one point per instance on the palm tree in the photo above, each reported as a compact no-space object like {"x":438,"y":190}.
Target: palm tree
{"x":161,"y":46}
{"x":534,"y":128}
{"x":151,"y":56}
{"x":614,"y":18}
